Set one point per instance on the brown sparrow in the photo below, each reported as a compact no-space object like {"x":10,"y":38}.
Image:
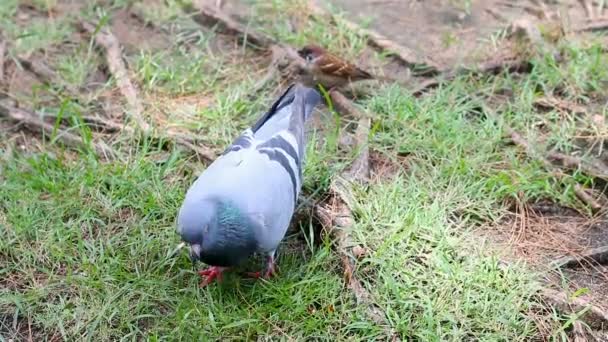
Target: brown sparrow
{"x":330,"y":71}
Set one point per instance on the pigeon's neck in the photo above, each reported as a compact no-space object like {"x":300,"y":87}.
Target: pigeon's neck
{"x":231,"y":218}
{"x":231,"y":239}
{"x":234,"y":227}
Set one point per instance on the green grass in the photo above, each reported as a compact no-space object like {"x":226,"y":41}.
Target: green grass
{"x":86,"y":245}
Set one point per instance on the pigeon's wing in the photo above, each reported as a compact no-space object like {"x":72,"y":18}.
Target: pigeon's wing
{"x":283,"y":154}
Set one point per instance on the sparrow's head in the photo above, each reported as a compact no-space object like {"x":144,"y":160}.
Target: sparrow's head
{"x":311,"y":52}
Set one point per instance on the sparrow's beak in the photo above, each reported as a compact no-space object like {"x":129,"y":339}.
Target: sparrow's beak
{"x":195,"y":252}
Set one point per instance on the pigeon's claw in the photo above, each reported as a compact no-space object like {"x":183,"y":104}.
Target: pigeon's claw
{"x":210,"y":274}
{"x":268,"y":273}
{"x":270,"y":268}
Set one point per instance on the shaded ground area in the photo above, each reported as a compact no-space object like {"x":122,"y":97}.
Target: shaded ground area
{"x":477,"y":179}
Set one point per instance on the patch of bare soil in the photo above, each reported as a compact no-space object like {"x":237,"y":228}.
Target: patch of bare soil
{"x":136,"y":35}
{"x":452,"y":32}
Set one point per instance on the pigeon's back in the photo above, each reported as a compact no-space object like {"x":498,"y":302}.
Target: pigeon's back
{"x":261,"y":172}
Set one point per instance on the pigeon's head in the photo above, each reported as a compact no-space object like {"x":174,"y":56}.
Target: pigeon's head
{"x":218,"y":233}
{"x":194,"y":222}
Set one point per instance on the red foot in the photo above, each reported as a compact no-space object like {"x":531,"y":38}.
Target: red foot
{"x":270,"y":270}
{"x":211,"y":274}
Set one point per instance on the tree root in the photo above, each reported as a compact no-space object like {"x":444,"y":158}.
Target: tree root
{"x":403,"y":54}
{"x":211,"y":16}
{"x":596,"y":255}
{"x":34,"y":123}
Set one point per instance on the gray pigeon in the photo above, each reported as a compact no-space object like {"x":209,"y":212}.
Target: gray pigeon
{"x":243,"y":202}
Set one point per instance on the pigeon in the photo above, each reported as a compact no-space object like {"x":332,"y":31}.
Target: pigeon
{"x":244,"y":201}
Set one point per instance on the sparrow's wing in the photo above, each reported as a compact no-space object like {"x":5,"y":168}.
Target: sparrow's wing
{"x":335,"y":66}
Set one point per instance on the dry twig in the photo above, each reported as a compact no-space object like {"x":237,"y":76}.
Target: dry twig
{"x":105,"y":39}
{"x":34,"y":123}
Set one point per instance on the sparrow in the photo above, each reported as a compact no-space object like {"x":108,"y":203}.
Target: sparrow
{"x":330,"y":71}
{"x":244,"y":201}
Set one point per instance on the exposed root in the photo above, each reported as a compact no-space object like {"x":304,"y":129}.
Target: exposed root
{"x":491,"y":11}
{"x":597,"y":255}
{"x":359,"y":169}
{"x":592,"y":315}
{"x":588,"y":7}
{"x":493,"y":66}
{"x":403,"y":54}
{"x":34,"y":123}
{"x":44,"y":73}
{"x":211,"y":16}
{"x":584,"y":195}
{"x":105,"y":39}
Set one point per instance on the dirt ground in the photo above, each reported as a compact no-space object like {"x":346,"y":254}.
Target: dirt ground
{"x":454,"y":32}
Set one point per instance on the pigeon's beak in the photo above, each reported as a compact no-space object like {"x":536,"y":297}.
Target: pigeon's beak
{"x":195,"y":252}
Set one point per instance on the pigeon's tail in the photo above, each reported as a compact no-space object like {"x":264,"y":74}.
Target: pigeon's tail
{"x":304,"y":102}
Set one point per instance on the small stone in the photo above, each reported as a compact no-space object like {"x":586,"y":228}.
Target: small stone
{"x":598,"y":119}
{"x":359,"y":252}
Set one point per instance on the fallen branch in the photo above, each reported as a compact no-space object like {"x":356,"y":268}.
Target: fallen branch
{"x":34,"y":123}
{"x":105,"y":39}
{"x":598,"y":255}
{"x":403,"y":54}
{"x":559,"y":104}
{"x":592,"y":315}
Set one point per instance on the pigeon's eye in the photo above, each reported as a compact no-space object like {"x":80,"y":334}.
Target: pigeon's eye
{"x":309,"y":58}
